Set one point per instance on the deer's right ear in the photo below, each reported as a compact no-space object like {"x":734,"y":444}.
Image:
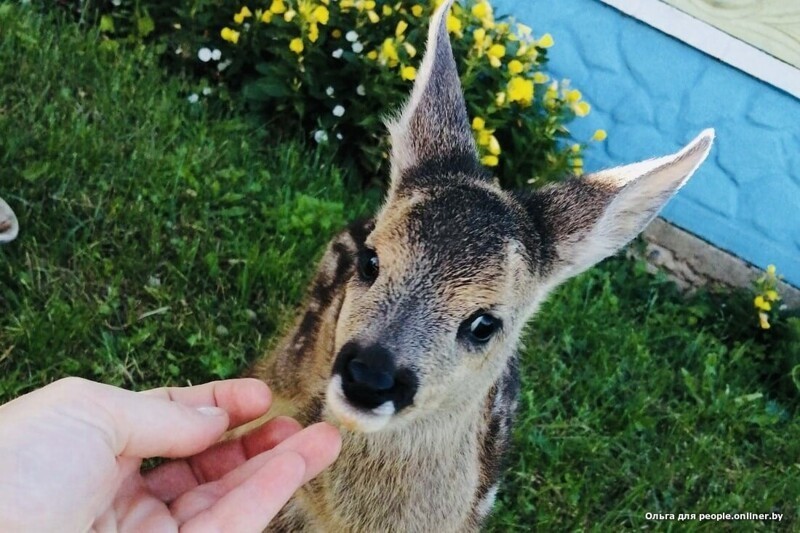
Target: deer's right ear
{"x":433,"y":124}
{"x":583,"y":221}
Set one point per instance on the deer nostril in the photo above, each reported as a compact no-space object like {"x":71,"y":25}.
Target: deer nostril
{"x":374,"y":379}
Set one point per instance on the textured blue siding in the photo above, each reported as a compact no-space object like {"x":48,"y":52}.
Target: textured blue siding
{"x":653,"y":93}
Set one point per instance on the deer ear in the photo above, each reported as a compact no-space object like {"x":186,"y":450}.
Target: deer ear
{"x":9,"y":227}
{"x":433,"y":126}
{"x":586,"y":220}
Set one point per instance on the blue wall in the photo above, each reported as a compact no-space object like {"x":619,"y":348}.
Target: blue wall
{"x":652,"y":93}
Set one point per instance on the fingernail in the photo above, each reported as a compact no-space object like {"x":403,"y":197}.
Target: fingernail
{"x":210,"y":411}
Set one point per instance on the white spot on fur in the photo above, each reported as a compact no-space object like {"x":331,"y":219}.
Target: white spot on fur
{"x":352,"y":418}
{"x":487,"y":502}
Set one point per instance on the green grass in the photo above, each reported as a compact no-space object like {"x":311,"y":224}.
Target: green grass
{"x":168,"y":242}
{"x":160,"y":241}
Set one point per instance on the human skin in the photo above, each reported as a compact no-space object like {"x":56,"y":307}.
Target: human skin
{"x":71,"y":456}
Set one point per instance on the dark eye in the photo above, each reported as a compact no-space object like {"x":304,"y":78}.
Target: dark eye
{"x":480,"y":327}
{"x":368,"y":265}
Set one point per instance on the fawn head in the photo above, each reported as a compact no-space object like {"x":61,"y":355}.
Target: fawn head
{"x":454,"y":265}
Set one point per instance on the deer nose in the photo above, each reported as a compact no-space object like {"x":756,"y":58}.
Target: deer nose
{"x":370,"y":377}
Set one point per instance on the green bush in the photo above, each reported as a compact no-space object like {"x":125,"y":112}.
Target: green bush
{"x":335,"y":70}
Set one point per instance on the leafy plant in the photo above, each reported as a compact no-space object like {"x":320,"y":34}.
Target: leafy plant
{"x":336,"y":69}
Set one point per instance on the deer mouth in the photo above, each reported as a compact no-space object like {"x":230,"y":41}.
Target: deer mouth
{"x":353,"y":417}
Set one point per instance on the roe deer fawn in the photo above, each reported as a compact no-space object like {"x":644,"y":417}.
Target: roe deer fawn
{"x":409,"y":334}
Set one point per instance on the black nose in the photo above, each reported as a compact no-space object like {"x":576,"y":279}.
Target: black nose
{"x":370,"y":377}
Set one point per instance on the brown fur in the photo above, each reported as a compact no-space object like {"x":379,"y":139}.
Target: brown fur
{"x":451,"y":245}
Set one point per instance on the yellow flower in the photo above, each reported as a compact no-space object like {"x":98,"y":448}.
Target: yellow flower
{"x":515,"y":66}
{"x":772,"y":295}
{"x":417,"y":10}
{"x":577,"y":162}
{"x":500,"y":99}
{"x":478,"y":123}
{"x":289,"y":15}
{"x":482,"y":9}
{"x":369,"y":4}
{"x":575,"y":148}
{"x":402,"y":26}
{"x":346,"y":4}
{"x":524,"y":31}
{"x":453,"y":24}
{"x":520,"y":90}
{"x":540,"y":77}
{"x":243,"y":13}
{"x":321,"y":14}
{"x":761,"y":303}
{"x":480,"y":37}
{"x":387,"y":10}
{"x":763,"y":320}
{"x":573,"y":96}
{"x":490,"y":160}
{"x":388,"y":53}
{"x":277,"y":7}
{"x":494,"y":145}
{"x":296,"y":45}
{"x":485,"y":137}
{"x":266,"y":17}
{"x":410,"y":50}
{"x":408,"y":73}
{"x":599,"y":135}
{"x":313,"y":32}
{"x":546,"y":41}
{"x":373,"y":17}
{"x":581,"y":109}
{"x":373,"y":55}
{"x":336,"y":34}
{"x":232,"y":36}
{"x":771,"y":270}
{"x":497,"y":50}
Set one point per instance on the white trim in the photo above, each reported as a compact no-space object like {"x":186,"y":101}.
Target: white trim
{"x":712,"y":41}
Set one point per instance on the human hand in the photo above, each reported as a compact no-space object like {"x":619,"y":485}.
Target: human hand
{"x":71,"y":452}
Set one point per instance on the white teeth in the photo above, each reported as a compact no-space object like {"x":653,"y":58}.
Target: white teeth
{"x":384,"y":409}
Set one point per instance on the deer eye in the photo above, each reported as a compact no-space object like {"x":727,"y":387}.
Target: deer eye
{"x":480,"y":327}
{"x":368,"y":265}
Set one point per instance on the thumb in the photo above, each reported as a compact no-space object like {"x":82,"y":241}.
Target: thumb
{"x":142,"y":425}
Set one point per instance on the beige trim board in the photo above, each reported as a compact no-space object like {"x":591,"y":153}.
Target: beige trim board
{"x":713,"y":42}
{"x":770,"y":25}
{"x":692,"y":262}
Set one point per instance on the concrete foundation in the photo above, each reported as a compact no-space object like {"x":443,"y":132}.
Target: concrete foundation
{"x":692,"y":262}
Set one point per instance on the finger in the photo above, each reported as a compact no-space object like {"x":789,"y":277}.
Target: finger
{"x":134,"y":424}
{"x":170,"y":480}
{"x":318,"y":445}
{"x":250,"y":506}
{"x":244,"y":399}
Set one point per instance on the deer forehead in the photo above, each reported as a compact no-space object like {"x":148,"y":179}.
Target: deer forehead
{"x":460,"y":246}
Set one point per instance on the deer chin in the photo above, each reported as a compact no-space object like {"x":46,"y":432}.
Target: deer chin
{"x":343,"y":413}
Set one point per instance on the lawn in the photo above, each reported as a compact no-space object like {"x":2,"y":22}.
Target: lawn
{"x":164,"y":241}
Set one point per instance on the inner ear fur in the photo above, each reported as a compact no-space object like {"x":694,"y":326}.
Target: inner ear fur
{"x":433,"y":128}
{"x":586,"y":220}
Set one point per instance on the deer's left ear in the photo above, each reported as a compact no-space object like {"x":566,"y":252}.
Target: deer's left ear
{"x":583,"y":221}
{"x":434,"y":125}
